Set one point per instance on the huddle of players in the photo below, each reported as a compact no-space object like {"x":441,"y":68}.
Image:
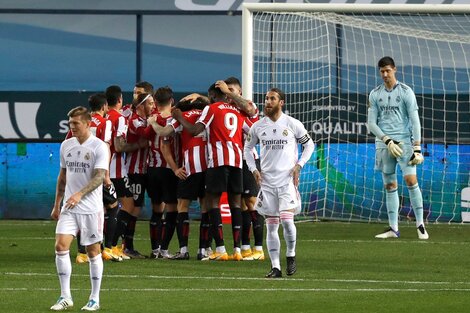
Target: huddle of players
{"x":172,"y":159}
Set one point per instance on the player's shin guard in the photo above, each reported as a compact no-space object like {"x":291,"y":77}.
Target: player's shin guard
{"x":392,"y":203}
{"x":96,"y":274}
{"x":290,"y":232}
{"x":416,"y":199}
{"x":155,"y":230}
{"x":183,"y":228}
{"x":204,"y":229}
{"x":272,"y":241}
{"x":258,"y":226}
{"x":236,"y":226}
{"x":246,"y":228}
{"x":64,"y":270}
{"x":216,"y":227}
{"x":129,"y":234}
{"x":110,"y":222}
{"x":122,"y":220}
{"x":170,"y":226}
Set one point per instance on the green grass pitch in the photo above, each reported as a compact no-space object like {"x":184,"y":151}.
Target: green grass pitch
{"x":341,"y":268}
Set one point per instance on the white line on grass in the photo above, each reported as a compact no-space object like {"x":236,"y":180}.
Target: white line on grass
{"x":373,"y":281}
{"x":254,"y":289}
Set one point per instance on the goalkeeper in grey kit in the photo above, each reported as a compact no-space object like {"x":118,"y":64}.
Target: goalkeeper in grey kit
{"x":393,"y":119}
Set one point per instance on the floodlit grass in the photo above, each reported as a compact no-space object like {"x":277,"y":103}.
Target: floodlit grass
{"x":341,"y":268}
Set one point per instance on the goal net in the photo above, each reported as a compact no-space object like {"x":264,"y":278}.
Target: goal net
{"x":324,"y":57}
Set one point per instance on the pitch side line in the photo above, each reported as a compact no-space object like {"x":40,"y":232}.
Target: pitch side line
{"x":252,"y":289}
{"x":373,"y":281}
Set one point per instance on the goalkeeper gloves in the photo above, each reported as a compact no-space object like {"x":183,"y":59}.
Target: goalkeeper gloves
{"x":416,"y":157}
{"x":393,"y":146}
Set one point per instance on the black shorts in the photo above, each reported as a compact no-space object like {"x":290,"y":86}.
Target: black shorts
{"x":109,"y":195}
{"x":250,"y":187}
{"x":138,"y":186}
{"x":193,"y":187}
{"x":123,"y":187}
{"x":162,"y":184}
{"x":224,"y":178}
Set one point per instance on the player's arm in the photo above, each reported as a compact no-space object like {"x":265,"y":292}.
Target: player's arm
{"x":243,"y":104}
{"x":163,"y":131}
{"x":250,"y":143}
{"x":180,"y":172}
{"x":416,"y":157}
{"x":193,"y":129}
{"x":121,"y":145}
{"x":193,"y":97}
{"x":392,"y":145}
{"x":59,"y":193}
{"x":307,"y":150}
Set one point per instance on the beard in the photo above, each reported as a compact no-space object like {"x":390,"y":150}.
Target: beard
{"x":270,"y":112}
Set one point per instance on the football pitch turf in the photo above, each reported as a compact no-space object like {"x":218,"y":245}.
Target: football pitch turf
{"x":341,"y":268}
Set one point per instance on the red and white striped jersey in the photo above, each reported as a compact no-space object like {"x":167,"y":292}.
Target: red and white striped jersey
{"x":136,"y":161}
{"x":156,"y":158}
{"x":117,"y":167}
{"x":193,"y":147}
{"x":225,"y":125}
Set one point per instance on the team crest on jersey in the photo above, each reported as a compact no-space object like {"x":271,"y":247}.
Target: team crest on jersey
{"x":87,"y":156}
{"x":285,"y":132}
{"x":248,"y":138}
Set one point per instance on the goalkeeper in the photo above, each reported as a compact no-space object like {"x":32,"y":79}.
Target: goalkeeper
{"x":393,"y":119}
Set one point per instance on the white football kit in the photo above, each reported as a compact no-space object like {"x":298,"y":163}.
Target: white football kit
{"x":80,"y":161}
{"x":278,"y":142}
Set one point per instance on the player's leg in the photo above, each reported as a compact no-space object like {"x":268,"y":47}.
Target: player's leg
{"x":92,"y":230}
{"x":171,"y":212}
{"x":182,"y":229}
{"x":81,"y":252}
{"x":234,"y":191}
{"x":216,"y":183}
{"x":289,"y":206}
{"x":111,"y":206}
{"x":156,"y":220}
{"x":385,"y":163}
{"x":125,"y":197}
{"x":416,"y":197}
{"x":65,"y":230}
{"x":138,"y":186}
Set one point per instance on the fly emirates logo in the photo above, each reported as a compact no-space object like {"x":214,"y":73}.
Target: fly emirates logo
{"x":274,"y":144}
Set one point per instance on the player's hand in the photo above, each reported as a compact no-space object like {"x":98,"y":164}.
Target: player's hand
{"x":416,"y":157}
{"x":191,"y":97}
{"x":181,"y":173}
{"x":176,"y":114}
{"x":73,"y":200}
{"x":55,"y":213}
{"x":296,"y":174}
{"x":152,"y":120}
{"x":222,"y":86}
{"x":257,"y":176}
{"x":393,"y":146}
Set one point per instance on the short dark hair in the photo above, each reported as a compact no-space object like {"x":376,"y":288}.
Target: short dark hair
{"x":113,"y":94}
{"x":163,"y":95}
{"x":385,"y":61}
{"x":97,"y":101}
{"x":215,"y":94}
{"x":233,"y":81}
{"x":197,"y":104}
{"x":282,"y":95}
{"x":80,"y":111}
{"x":148,"y":87}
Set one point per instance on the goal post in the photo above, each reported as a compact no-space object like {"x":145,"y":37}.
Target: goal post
{"x":324,"y":57}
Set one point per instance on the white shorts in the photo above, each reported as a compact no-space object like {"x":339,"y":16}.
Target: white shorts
{"x":89,"y":225}
{"x":271,"y":201}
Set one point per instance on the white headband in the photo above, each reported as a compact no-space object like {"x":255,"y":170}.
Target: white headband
{"x":145,"y":99}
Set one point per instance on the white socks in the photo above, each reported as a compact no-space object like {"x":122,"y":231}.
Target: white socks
{"x":96,"y":274}
{"x":272,"y":241}
{"x":64,"y":270}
